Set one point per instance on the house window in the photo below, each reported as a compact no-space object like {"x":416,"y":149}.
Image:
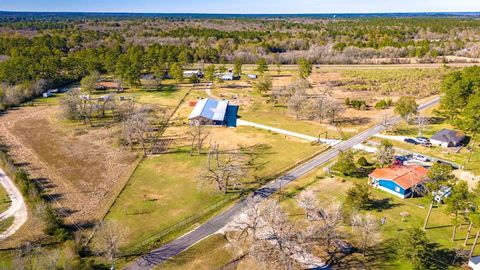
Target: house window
{"x":397,"y":189}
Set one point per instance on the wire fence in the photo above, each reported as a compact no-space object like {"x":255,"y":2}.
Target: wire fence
{"x":164,"y":235}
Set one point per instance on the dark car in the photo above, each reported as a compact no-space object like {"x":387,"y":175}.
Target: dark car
{"x":410,"y":140}
{"x":401,"y":158}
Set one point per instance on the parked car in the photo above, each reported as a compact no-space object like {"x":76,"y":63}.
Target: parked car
{"x":420,"y":157}
{"x":443,"y":193}
{"x":410,"y":140}
{"x":401,"y":158}
{"x":422,"y":140}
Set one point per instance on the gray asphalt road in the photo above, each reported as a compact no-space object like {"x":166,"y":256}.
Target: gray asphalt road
{"x":182,"y":243}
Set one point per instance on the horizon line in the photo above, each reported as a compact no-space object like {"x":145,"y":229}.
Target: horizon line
{"x":231,"y":13}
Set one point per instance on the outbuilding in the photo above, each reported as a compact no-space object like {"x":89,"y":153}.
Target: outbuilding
{"x":399,"y":180}
{"x":191,"y":73}
{"x":448,"y":138}
{"x":214,"y":112}
{"x":229,"y":76}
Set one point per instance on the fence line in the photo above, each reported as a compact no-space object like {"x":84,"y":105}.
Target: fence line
{"x":159,"y":237}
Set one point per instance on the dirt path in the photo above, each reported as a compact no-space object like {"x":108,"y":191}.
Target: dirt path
{"x":17,"y":210}
{"x":208,"y":90}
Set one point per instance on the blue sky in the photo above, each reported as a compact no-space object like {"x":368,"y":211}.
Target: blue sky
{"x":243,"y":6}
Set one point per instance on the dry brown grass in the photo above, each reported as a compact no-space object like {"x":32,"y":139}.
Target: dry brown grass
{"x":77,"y":167}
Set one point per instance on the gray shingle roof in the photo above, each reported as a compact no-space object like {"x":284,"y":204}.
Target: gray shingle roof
{"x":449,"y":136}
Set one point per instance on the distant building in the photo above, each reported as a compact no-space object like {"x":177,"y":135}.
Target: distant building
{"x":108,"y":85}
{"x":448,"y":138}
{"x":214,"y":112}
{"x":191,"y":73}
{"x":399,"y":180}
{"x":229,"y":76}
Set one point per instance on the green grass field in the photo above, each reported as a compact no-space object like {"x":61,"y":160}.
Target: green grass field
{"x":4,"y":224}
{"x":469,"y":159}
{"x":4,"y":200}
{"x":439,"y":230}
{"x":164,"y":190}
{"x":210,"y":253}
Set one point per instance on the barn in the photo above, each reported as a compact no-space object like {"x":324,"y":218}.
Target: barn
{"x":399,"y":180}
{"x":214,"y":112}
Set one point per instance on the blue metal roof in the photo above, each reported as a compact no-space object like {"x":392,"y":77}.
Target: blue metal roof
{"x":210,"y":108}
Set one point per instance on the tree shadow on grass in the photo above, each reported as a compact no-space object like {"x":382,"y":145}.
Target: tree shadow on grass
{"x":44,"y":183}
{"x":382,"y":204}
{"x":378,"y":257}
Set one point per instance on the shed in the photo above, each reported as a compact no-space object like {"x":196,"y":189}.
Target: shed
{"x":448,"y":138}
{"x":191,"y":73}
{"x":229,"y":76}
{"x":398,"y":180}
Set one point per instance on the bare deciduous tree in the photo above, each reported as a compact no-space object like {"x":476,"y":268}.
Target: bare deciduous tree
{"x":422,"y":122}
{"x":325,"y":220}
{"x":224,"y":169}
{"x":137,"y":128}
{"x":296,"y":102}
{"x":108,"y":238}
{"x":366,"y":229}
{"x":198,"y":133}
{"x":309,"y":203}
{"x":272,"y":238}
{"x":70,"y":104}
{"x":385,"y":121}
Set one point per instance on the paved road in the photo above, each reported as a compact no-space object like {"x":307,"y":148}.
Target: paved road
{"x":17,"y":209}
{"x":210,"y":227}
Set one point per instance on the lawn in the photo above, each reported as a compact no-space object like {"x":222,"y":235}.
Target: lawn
{"x":210,"y":253}
{"x":469,"y":159}
{"x":164,"y":189}
{"x":5,"y":224}
{"x":4,"y":200}
{"x":331,"y":189}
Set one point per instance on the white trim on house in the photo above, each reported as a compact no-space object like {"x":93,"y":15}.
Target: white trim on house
{"x":439,"y":143}
{"x":393,"y":192}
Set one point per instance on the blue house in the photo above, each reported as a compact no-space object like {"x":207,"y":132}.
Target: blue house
{"x":214,"y":112}
{"x":398,"y":180}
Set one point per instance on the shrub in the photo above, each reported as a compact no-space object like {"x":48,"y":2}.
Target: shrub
{"x":345,"y":164}
{"x":362,"y":161}
{"x":356,"y":104}
{"x":383,"y":104}
{"x":358,"y":196}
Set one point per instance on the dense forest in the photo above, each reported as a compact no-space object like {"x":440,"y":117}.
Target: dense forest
{"x":40,"y":52}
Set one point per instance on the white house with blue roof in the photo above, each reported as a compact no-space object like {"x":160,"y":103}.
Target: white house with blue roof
{"x":214,"y":112}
